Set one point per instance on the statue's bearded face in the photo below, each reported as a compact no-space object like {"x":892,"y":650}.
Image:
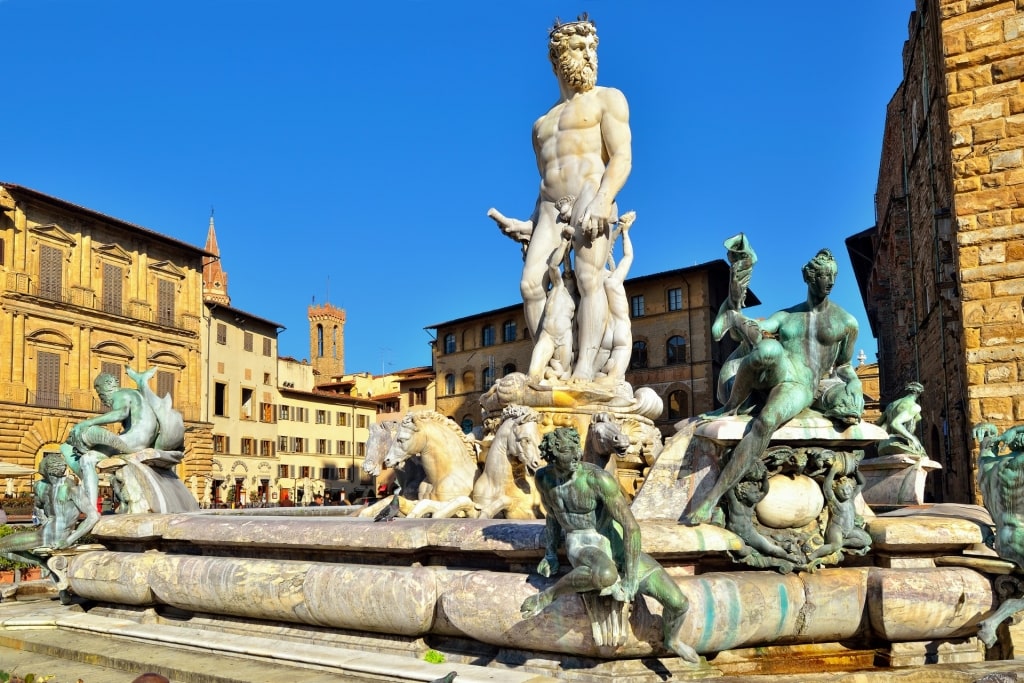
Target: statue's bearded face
{"x":577,"y":62}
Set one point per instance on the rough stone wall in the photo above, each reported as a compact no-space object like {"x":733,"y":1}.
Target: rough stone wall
{"x":983,"y":44}
{"x":945,"y":293}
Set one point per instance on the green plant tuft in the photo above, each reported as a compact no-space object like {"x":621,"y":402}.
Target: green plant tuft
{"x":434,"y":657}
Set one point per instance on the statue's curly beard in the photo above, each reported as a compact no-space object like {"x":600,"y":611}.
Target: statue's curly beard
{"x":577,"y":74}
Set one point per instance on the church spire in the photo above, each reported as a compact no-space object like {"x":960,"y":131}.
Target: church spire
{"x":215,"y":280}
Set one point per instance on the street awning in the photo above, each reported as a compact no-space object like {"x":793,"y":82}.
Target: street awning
{"x":11,"y":470}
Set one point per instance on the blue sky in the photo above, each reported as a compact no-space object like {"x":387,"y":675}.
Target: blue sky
{"x":351,"y":150}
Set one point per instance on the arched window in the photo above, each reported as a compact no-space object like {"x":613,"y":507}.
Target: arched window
{"x":319,"y":341}
{"x":508,"y":369}
{"x":449,"y":342}
{"x":639,"y":357}
{"x":508,"y":331}
{"x":487,"y":336}
{"x":468,"y":381}
{"x":678,"y":405}
{"x":449,"y":384}
{"x":488,"y":377}
{"x":675,"y":350}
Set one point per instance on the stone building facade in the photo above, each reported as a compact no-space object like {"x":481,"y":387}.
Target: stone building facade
{"x":942,"y":271}
{"x":673,"y":352}
{"x":83,"y":293}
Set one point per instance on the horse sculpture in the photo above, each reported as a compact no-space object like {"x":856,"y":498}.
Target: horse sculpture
{"x":604,"y":438}
{"x":635,"y":443}
{"x":449,"y":460}
{"x":409,"y":475}
{"x":506,"y":483}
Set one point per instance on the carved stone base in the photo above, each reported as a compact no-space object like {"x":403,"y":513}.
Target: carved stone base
{"x":799,"y":506}
{"x":896,"y":479}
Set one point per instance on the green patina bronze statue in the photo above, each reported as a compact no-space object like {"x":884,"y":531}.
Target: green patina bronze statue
{"x":602,"y":539}
{"x":1001,"y":480}
{"x":59,"y":502}
{"x":798,"y":358}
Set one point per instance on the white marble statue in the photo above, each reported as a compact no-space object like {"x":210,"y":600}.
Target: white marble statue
{"x":583,"y":147}
{"x":9,"y":488}
{"x":207,"y":499}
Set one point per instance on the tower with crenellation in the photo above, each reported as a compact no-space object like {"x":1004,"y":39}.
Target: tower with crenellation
{"x":327,"y":341}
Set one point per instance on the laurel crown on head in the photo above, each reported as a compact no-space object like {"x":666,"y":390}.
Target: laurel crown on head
{"x":583,"y":26}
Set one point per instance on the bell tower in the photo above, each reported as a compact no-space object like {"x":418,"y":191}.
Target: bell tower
{"x":327,"y":342}
{"x":215,"y":280}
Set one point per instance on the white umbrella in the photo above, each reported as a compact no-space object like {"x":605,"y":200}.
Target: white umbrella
{"x":10,"y":470}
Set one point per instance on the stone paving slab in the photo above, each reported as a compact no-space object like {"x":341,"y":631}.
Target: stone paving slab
{"x":127,"y":648}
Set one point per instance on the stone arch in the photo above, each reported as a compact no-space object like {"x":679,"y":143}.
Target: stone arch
{"x":166,"y":358}
{"x":114,"y":349}
{"x":50,"y":337}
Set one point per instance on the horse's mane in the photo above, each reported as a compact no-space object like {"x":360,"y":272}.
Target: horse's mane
{"x":520,"y":413}
{"x":470,"y":444}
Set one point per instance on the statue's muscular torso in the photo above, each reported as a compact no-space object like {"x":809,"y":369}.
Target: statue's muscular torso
{"x":821,"y":338}
{"x":571,"y":155}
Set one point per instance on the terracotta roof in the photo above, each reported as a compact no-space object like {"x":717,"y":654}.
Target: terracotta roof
{"x":15,"y":189}
{"x":237,"y":311}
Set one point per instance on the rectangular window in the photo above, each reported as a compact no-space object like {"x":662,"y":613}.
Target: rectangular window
{"x":113,"y":276}
{"x":165,"y":384}
{"x":321,"y":446}
{"x":220,"y":402}
{"x":282,"y":413}
{"x":298,"y":444}
{"x":342,"y":419}
{"x":222,"y":333}
{"x":508,"y":331}
{"x":220,"y":443}
{"x":350,"y":474}
{"x":321,"y":417}
{"x":267,"y":448}
{"x":362,"y":421}
{"x":282,"y":471}
{"x":636,"y":306}
{"x":248,"y":446}
{"x":165,"y":303}
{"x":266,"y":378}
{"x":341,"y":447}
{"x":282,"y":444}
{"x":47,"y":379}
{"x":418,"y":397}
{"x":675,"y":299}
{"x":304,"y":471}
{"x":266,"y":347}
{"x":51,"y":272}
{"x":267,"y":412}
{"x":247,"y":341}
{"x":487,"y":338}
{"x":247,"y":403}
{"x":360,"y":450}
